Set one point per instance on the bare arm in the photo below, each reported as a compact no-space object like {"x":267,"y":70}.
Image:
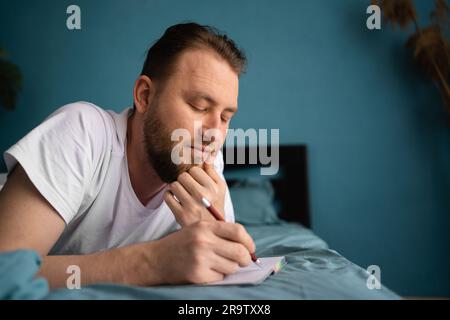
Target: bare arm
{"x":127,"y":265}
{"x":28,"y":221}
{"x":201,"y":252}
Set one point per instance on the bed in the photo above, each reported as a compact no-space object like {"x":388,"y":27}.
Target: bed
{"x":281,"y":226}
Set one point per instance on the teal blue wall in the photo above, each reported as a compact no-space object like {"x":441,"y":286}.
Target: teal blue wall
{"x":378,"y":140}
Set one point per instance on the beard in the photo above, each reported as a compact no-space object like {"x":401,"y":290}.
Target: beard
{"x":158,"y":146}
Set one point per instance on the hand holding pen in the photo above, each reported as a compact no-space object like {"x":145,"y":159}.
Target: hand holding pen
{"x":218,"y":217}
{"x":185,"y":197}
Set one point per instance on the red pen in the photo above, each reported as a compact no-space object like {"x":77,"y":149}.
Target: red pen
{"x":218,"y":217}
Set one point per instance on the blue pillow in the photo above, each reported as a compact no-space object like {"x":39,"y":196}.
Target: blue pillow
{"x":253,"y":202}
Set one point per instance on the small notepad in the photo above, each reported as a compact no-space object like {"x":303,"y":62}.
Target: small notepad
{"x":252,"y":274}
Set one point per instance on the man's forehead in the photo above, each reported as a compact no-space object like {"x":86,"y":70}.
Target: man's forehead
{"x":202,"y":60}
{"x":203,"y":73}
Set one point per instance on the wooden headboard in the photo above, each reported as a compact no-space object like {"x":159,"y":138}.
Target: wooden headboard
{"x":291,"y":186}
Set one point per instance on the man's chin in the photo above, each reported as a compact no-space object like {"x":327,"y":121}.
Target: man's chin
{"x":170,"y":174}
{"x":179,"y":169}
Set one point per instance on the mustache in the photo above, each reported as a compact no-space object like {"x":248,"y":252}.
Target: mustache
{"x":208,"y":146}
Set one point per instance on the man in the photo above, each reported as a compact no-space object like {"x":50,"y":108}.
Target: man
{"x":100,"y":190}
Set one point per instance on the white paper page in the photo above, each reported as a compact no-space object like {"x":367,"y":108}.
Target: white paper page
{"x":252,"y":274}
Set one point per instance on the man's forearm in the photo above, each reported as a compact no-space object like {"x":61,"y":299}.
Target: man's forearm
{"x":128,"y":265}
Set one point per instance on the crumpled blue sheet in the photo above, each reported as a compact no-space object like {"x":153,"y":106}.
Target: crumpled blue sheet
{"x":313,"y":272}
{"x":17,"y":276}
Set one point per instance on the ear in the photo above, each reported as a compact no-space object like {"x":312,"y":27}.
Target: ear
{"x":143,"y":93}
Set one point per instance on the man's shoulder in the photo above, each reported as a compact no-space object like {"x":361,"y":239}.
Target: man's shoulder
{"x":85,"y":117}
{"x":81,"y":110}
{"x":100,"y":126}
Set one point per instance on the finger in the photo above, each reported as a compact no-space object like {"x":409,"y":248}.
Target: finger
{"x":234,"y":232}
{"x":211,"y":275}
{"x":233,"y":251}
{"x":173,"y":204}
{"x":201,"y":176}
{"x":209,"y":169}
{"x":191,"y":186}
{"x":224,"y":265}
{"x":180,"y":192}
{"x":212,"y":149}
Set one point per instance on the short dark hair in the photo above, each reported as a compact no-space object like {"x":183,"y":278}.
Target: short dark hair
{"x":162,"y":55}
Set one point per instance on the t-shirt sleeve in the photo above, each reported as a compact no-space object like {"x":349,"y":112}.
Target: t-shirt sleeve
{"x":228,"y":206}
{"x":61,"y":155}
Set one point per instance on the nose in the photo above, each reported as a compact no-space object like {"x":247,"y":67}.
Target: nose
{"x":212,"y":121}
{"x":212,"y":130}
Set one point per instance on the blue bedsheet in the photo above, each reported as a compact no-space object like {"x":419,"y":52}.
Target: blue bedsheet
{"x":17,"y":276}
{"x":313,"y":272}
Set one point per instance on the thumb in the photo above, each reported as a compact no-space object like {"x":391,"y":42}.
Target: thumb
{"x":209,"y":169}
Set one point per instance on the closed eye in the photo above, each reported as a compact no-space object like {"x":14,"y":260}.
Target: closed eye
{"x":226,"y":119}
{"x":226,"y":116}
{"x":198,"y":109}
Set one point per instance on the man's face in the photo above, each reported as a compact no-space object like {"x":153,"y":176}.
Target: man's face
{"x":202,"y":87}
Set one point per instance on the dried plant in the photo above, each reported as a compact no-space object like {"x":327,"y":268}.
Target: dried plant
{"x":430,"y":45}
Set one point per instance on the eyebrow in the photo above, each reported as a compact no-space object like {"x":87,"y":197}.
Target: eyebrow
{"x":204,"y":96}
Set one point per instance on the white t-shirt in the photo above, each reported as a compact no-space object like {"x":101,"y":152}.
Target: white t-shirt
{"x":77,"y":160}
